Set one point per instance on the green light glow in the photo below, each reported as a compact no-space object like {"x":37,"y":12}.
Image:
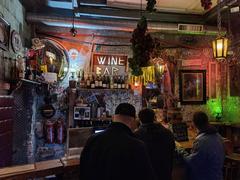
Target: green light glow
{"x":214,"y":107}
{"x":231,"y":109}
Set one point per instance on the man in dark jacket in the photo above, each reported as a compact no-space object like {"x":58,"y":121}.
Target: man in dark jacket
{"x":159,"y":142}
{"x":207,"y":157}
{"x":116,"y":154}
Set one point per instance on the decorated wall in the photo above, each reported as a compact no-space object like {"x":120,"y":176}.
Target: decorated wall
{"x":186,"y":52}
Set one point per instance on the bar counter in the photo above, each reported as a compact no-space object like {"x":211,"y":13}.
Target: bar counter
{"x":39,"y":169}
{"x":63,"y":169}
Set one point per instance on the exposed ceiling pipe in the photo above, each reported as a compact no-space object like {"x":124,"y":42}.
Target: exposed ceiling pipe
{"x":106,"y":24}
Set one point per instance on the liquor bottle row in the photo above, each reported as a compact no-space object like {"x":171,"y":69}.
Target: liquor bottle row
{"x":101,"y":82}
{"x":91,"y":123}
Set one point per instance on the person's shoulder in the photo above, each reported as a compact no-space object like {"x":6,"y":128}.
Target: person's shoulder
{"x":133,"y":140}
{"x":165,"y":130}
{"x":139,"y":131}
{"x":96,"y":136}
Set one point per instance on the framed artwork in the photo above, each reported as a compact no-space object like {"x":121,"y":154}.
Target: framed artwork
{"x":4,"y":34}
{"x":82,"y":113}
{"x":192,"y":86}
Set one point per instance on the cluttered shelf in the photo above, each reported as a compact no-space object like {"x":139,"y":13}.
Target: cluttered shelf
{"x":102,"y":89}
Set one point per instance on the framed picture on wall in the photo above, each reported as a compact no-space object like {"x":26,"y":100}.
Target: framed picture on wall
{"x":192,"y":86}
{"x":4,"y":34}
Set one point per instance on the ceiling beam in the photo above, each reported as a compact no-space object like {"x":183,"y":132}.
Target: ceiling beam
{"x":133,"y":14}
{"x":211,"y":15}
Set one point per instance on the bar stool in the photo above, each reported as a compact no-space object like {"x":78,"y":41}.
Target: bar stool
{"x":232,"y":164}
{"x":232,"y":160}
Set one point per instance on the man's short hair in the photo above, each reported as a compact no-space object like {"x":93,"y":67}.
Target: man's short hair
{"x":146,"y":116}
{"x":126,"y":109}
{"x":200,"y":119}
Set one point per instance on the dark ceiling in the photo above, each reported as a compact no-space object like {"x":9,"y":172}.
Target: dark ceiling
{"x":40,"y":8}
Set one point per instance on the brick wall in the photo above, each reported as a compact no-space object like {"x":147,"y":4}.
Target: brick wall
{"x":14,"y":13}
{"x":6,"y":130}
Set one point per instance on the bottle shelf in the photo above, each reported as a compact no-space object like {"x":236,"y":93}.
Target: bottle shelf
{"x":30,"y":81}
{"x":99,"y":89}
{"x":34,"y":82}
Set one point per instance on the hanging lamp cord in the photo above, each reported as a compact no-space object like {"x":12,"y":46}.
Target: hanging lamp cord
{"x":219,"y":18}
{"x":73,"y":14}
{"x":141,"y":8}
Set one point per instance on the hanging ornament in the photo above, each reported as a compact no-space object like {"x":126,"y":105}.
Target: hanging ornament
{"x":148,"y":75}
{"x":206,"y":4}
{"x":142,"y":47}
{"x":136,"y":81}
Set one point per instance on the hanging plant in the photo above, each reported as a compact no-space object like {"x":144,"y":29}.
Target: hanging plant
{"x":206,"y":4}
{"x":142,"y":47}
{"x":150,"y":5}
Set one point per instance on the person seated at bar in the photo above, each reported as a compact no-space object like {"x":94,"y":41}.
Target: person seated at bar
{"x":159,"y":142}
{"x":115,"y":154}
{"x":207,"y":155}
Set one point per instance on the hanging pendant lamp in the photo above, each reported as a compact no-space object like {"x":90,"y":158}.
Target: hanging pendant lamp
{"x":220,"y":44}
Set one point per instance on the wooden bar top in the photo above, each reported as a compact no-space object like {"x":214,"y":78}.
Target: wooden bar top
{"x":185,"y":144}
{"x":38,"y":169}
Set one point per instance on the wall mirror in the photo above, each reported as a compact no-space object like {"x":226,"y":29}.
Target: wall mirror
{"x":56,"y":59}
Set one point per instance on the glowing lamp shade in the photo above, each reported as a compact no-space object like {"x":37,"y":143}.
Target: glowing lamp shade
{"x":220,"y":47}
{"x":161,"y":68}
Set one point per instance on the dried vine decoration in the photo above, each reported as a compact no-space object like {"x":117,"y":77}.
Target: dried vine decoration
{"x":206,"y":4}
{"x":151,"y":5}
{"x":142,"y":47}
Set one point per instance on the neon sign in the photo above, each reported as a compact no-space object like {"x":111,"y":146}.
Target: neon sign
{"x":105,"y":64}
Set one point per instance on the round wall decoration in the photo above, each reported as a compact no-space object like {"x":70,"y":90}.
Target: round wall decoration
{"x":16,"y":41}
{"x":73,"y":54}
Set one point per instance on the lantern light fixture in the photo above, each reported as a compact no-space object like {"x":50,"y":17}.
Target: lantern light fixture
{"x":220,"y":44}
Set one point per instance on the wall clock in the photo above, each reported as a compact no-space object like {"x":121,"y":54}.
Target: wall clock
{"x":16,"y":41}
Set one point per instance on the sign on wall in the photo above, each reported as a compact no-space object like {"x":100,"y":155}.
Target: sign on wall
{"x":107,"y":64}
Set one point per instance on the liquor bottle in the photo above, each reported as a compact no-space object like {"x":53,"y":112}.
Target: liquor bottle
{"x":119,"y":82}
{"x":92,"y":83}
{"x":100,"y":82}
{"x":79,"y":80}
{"x":72,"y":81}
{"x":82,"y":82}
{"x":126,"y":82}
{"x":115,"y":86}
{"x":88,"y":82}
{"x":111,"y":83}
{"x":123,"y":82}
{"x":108,"y":82}
{"x":29,"y":74}
{"x":96,"y":82}
{"x":104,"y":83}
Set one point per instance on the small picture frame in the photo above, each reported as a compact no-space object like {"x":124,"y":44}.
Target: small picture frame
{"x":192,"y":86}
{"x":82,"y":113}
{"x":4,"y":34}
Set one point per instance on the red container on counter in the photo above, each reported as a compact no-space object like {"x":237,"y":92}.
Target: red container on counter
{"x":60,"y":131}
{"x":49,"y":132}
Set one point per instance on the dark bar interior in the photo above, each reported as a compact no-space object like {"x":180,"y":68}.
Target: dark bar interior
{"x":119,"y":89}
